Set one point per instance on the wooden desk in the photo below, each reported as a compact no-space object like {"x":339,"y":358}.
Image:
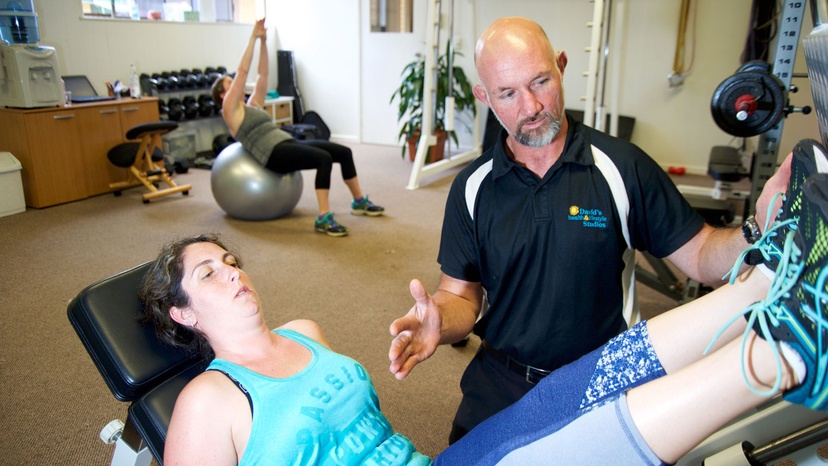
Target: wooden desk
{"x":63,"y":149}
{"x":281,"y":110}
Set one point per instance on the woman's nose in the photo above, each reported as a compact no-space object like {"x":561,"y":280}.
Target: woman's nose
{"x":232,"y":273}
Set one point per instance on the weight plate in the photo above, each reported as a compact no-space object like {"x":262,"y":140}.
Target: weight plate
{"x":766,"y":91}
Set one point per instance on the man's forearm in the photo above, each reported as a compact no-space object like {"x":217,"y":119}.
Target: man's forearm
{"x":458,"y":316}
{"x":720,"y":254}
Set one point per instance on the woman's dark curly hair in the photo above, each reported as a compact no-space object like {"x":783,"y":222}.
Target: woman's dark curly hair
{"x":161,"y":290}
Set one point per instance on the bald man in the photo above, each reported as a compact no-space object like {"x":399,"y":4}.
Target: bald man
{"x":546,"y":224}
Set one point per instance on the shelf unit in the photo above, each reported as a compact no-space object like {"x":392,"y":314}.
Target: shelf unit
{"x":63,"y":150}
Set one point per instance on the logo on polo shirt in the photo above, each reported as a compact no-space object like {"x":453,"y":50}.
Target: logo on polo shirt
{"x":589,"y":218}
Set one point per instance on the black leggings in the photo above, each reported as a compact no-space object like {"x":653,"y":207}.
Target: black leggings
{"x":290,"y":156}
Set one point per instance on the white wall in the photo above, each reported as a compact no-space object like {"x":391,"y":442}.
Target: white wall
{"x":324,"y":38}
{"x":348,"y":74}
{"x":104,"y":49}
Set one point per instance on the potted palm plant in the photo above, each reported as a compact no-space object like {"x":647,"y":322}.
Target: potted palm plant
{"x":410,"y":109}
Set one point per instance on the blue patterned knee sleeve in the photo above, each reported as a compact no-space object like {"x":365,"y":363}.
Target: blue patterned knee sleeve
{"x":626,"y":361}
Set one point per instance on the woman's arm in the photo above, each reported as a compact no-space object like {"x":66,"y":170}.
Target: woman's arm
{"x":232,"y":107}
{"x":257,"y":98}
{"x":210,"y":423}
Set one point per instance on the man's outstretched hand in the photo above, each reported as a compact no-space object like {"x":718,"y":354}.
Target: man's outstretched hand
{"x":417,"y":334}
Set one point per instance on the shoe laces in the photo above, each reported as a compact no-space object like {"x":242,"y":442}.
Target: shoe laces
{"x":770,"y":311}
{"x":364,"y":202}
{"x":765,"y":244}
{"x":329,"y":221}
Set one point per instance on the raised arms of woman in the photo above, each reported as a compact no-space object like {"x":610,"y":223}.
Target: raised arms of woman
{"x":232,"y":107}
{"x":257,"y":97}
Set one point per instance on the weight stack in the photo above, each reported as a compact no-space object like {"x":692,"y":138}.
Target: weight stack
{"x":815,"y":47}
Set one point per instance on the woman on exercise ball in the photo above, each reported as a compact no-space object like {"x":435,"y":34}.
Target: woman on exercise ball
{"x":277,"y":150}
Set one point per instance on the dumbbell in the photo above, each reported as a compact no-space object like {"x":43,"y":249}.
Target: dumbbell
{"x":212,"y":77}
{"x":163,"y":109}
{"x":186,"y":77}
{"x":160,"y":81}
{"x":172,"y":80}
{"x":190,"y":107}
{"x":175,"y":109}
{"x":206,"y":106}
{"x":200,"y":77}
{"x":149,"y":86}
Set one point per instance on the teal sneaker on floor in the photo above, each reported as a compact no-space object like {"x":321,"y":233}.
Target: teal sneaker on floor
{"x":365,"y":207}
{"x":328,"y":225}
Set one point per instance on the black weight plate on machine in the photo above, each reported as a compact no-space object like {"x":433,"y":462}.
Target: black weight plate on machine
{"x":765,"y":89}
{"x":755,"y":65}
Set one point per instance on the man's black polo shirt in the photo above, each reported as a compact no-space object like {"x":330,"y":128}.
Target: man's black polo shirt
{"x":555,"y":255}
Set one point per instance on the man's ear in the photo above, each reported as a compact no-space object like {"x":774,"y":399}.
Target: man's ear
{"x":562,"y":60}
{"x":183,"y":315}
{"x":481,"y":94}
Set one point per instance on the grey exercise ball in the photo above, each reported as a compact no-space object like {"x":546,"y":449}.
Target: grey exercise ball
{"x":246,"y":190}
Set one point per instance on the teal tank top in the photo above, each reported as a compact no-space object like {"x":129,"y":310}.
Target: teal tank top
{"x":327,"y":414}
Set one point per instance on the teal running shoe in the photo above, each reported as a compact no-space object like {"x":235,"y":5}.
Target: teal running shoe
{"x":328,"y":225}
{"x":804,"y":324}
{"x":794,"y":310}
{"x":365,"y":207}
{"x":809,"y":158}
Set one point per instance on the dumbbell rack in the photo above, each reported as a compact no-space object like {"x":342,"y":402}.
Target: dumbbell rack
{"x":192,"y":119}
{"x":765,"y":159}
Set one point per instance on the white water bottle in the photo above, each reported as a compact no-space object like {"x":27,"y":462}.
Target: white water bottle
{"x":134,"y":84}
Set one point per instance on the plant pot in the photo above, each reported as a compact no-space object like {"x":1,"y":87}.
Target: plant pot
{"x":435,"y":152}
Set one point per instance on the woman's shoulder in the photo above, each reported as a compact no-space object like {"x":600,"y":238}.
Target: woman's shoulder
{"x":208,"y":385}
{"x":201,"y":396}
{"x":308,"y":328}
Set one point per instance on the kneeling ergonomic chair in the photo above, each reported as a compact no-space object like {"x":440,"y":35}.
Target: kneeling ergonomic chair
{"x":136,"y":366}
{"x":140,"y":158}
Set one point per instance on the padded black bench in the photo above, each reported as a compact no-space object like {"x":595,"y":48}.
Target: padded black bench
{"x":137,"y":367}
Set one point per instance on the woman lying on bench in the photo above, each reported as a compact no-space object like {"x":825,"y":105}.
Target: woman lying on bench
{"x":284,"y":397}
